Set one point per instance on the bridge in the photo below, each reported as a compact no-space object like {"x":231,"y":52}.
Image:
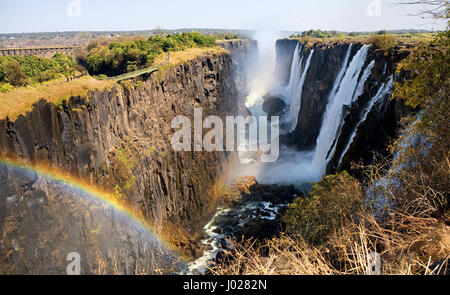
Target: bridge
{"x":134,"y":74}
{"x":47,"y":52}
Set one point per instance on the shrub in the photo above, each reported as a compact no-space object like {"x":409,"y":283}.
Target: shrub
{"x":12,"y":73}
{"x":101,"y":77}
{"x":330,"y":204}
{"x":384,"y":42}
{"x":427,"y":87}
{"x":5,"y":87}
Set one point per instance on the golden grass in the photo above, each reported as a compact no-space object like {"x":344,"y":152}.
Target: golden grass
{"x":20,"y":100}
{"x":412,"y":246}
{"x":179,"y":57}
{"x":410,"y":39}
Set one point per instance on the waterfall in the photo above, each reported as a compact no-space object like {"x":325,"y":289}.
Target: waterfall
{"x":384,"y":90}
{"x":360,"y":88}
{"x":296,"y":74}
{"x":339,"y":77}
{"x":358,"y":91}
{"x":343,"y":93}
{"x":295,"y":87}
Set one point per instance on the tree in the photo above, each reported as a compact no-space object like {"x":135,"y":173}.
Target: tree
{"x":425,"y":164}
{"x":430,"y":8}
{"x":13,"y":73}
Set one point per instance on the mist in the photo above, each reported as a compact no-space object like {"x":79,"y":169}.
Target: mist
{"x":292,"y":167}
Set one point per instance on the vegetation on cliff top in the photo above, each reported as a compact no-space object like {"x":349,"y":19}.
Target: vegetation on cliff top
{"x":22,"y":71}
{"x":25,"y":80}
{"x":114,"y":58}
{"x":382,"y":39}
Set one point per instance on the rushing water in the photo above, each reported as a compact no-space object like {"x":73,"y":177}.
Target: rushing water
{"x":343,"y":95}
{"x":228,"y":223}
{"x":295,"y":88}
{"x":384,"y":90}
{"x":294,"y":167}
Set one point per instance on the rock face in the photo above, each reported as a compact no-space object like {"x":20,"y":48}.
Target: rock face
{"x":242,"y":51}
{"x":119,"y":139}
{"x":244,"y":55}
{"x":325,"y":65}
{"x":43,"y":222}
{"x":382,"y":123}
{"x":285,"y":52}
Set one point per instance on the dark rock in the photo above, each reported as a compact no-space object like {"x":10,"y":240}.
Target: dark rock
{"x":274,"y":106}
{"x":259,"y":228}
{"x":382,"y":123}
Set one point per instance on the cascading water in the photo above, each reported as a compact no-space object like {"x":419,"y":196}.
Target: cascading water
{"x":261,"y":74}
{"x":295,"y":87}
{"x":343,"y":94}
{"x":385,"y":89}
{"x":341,"y":73}
{"x":359,"y":90}
{"x":298,"y":167}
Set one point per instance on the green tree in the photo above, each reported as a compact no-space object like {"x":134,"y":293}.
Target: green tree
{"x":12,"y":73}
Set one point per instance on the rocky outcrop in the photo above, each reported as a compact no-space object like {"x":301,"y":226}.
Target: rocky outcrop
{"x":119,"y":139}
{"x":274,"y":106}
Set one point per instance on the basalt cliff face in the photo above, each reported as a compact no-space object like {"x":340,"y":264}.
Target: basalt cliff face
{"x":119,"y":140}
{"x":383,"y":119}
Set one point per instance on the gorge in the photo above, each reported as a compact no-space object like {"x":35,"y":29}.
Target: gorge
{"x":334,"y":106}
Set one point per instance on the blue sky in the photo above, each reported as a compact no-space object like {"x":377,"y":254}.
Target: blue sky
{"x":345,"y":15}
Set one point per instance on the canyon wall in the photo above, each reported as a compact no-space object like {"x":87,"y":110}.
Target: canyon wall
{"x":119,"y":140}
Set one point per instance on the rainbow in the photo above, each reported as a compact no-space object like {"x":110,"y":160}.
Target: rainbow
{"x":83,"y":187}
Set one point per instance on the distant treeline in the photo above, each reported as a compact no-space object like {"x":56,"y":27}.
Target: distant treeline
{"x":331,"y":34}
{"x":148,"y":33}
{"x":113,"y":58}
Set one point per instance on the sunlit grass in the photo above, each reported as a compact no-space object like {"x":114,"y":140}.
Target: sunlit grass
{"x":20,"y":100}
{"x":179,"y":57}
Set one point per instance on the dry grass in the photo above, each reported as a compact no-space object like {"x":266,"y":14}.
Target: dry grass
{"x":411,"y":39}
{"x":179,"y":57}
{"x":279,"y":256}
{"x":407,"y":246}
{"x":411,"y":237}
{"x":20,"y":100}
